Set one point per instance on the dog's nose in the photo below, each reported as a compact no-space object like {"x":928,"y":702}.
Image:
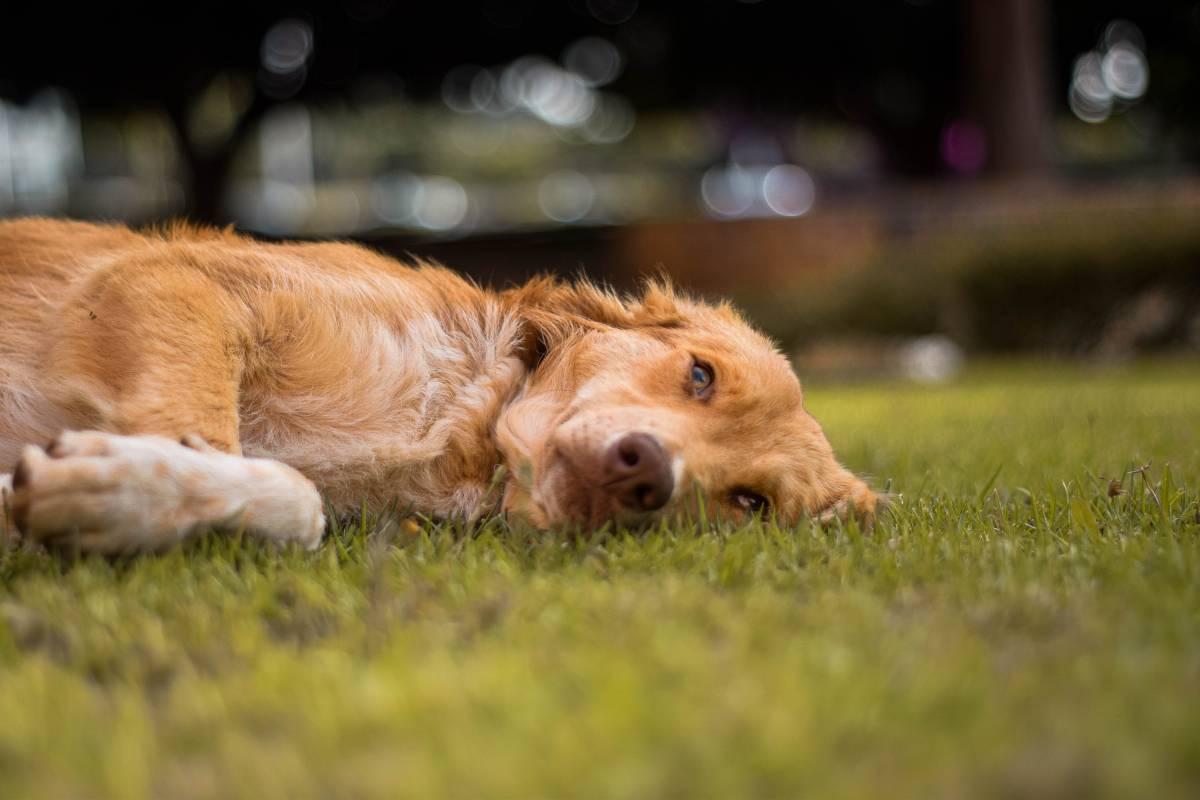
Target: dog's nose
{"x":638,"y":473}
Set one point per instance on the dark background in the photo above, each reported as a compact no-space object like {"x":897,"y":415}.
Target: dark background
{"x":925,"y":144}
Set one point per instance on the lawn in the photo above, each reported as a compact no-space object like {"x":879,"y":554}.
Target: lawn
{"x":1012,"y":628}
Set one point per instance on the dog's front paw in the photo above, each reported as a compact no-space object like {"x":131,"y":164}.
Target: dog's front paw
{"x":106,"y":493}
{"x":101,"y":492}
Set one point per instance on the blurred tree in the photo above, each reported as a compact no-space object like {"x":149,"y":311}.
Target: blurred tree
{"x":900,"y":68}
{"x":1008,"y":89}
{"x":207,"y":163}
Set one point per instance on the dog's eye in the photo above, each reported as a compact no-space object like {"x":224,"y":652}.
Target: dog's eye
{"x":750,"y":502}
{"x":702,"y":378}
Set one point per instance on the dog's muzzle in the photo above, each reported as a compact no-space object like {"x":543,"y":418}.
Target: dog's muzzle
{"x":637,"y":472}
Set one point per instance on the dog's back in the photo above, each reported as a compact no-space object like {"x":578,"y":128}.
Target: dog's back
{"x":292,"y":351}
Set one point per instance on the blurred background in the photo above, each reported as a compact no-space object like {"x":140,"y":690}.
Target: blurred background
{"x":886,"y":186}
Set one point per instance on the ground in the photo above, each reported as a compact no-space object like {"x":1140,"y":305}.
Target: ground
{"x":1014,"y":627}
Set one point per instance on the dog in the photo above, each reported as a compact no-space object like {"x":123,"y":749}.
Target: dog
{"x":188,"y":379}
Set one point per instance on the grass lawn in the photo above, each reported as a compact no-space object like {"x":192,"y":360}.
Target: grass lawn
{"x":1009,"y":630}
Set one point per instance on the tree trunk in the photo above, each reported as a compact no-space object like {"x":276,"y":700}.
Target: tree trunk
{"x":1007,"y":86}
{"x":208,"y":171}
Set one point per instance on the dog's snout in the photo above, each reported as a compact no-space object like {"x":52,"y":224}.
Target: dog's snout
{"x":638,"y":472}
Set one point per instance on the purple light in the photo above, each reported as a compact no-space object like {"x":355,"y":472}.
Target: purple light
{"x":964,"y":147}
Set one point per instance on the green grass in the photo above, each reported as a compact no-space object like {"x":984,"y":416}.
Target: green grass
{"x":1010,"y":630}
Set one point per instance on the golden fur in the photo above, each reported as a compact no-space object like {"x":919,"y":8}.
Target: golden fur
{"x":380,"y":381}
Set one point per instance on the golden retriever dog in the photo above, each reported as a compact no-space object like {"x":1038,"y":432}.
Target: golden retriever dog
{"x":157,"y":384}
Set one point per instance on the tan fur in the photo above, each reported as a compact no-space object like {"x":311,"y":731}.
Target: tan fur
{"x":379,"y":381}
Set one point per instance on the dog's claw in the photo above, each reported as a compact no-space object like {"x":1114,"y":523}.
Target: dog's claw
{"x":18,"y":497}
{"x":194,"y":442}
{"x":20,"y":475}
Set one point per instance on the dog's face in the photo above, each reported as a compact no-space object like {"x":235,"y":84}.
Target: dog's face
{"x":637,"y":408}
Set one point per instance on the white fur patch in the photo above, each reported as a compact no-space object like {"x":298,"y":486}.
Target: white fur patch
{"x":396,"y":421}
{"x":111,"y":493}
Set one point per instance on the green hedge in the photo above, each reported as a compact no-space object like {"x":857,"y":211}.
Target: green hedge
{"x":1047,"y":284}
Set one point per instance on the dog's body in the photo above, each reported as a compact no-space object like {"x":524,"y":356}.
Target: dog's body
{"x":285,"y":368}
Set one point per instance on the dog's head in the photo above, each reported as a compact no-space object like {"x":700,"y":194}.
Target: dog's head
{"x":635,"y":406}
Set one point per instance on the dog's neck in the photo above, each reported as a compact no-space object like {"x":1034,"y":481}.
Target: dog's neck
{"x":412,"y":420}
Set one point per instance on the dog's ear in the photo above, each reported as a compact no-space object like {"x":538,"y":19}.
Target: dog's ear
{"x":852,"y":498}
{"x":554,"y":311}
{"x":659,"y":305}
{"x":587,"y":304}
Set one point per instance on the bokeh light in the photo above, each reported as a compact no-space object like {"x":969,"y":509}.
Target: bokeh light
{"x":558,"y":97}
{"x":789,"y":190}
{"x":286,"y":49}
{"x":566,"y":196}
{"x":1125,"y":71}
{"x":287,"y":46}
{"x":612,"y":119}
{"x":963,"y":145}
{"x":597,"y":61}
{"x":393,"y":197}
{"x":440,"y":203}
{"x":1112,"y":77}
{"x":1090,"y":97}
{"x":612,"y":12}
{"x":457,"y":88}
{"x":41,"y":152}
{"x":729,"y":191}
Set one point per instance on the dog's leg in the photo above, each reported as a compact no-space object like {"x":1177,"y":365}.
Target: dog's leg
{"x":147,"y":353}
{"x":103,"y":492}
{"x":152,"y":346}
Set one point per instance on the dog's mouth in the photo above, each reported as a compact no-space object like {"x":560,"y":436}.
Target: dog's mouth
{"x":568,"y":495}
{"x":627,"y":479}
